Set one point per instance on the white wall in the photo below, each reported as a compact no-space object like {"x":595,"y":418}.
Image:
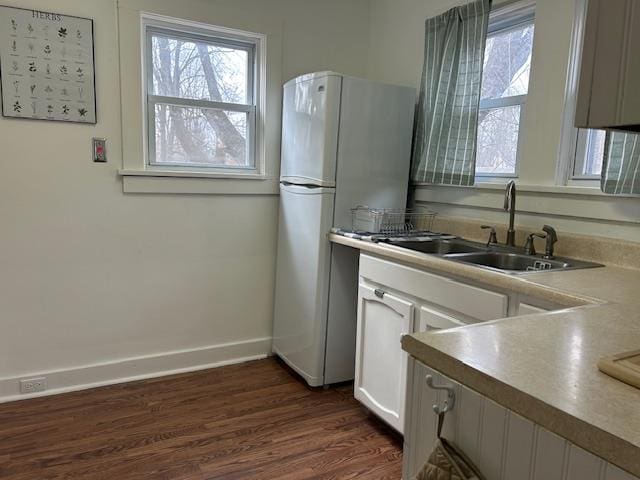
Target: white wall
{"x":90,"y":275}
{"x":395,"y":55}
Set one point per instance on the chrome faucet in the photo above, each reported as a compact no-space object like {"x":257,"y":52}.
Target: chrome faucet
{"x":510,"y":206}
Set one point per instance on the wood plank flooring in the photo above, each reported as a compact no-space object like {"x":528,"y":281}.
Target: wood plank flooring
{"x":250,"y":421}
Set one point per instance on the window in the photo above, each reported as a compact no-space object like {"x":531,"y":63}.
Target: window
{"x":589,"y":154}
{"x":582,"y":150}
{"x":505,"y":83}
{"x":201,"y":93}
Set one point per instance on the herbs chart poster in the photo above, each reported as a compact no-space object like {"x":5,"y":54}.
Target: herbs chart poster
{"x":47,"y":66}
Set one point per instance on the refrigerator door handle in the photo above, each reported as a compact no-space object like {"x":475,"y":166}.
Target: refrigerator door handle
{"x":306,"y":189}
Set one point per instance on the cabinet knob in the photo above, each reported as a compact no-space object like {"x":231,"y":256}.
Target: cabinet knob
{"x":379,"y":293}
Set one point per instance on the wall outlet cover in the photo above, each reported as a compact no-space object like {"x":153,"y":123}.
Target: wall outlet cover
{"x":33,"y":385}
{"x":99,"y":146}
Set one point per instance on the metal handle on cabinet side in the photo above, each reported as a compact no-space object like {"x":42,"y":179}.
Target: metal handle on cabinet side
{"x":449,"y":403}
{"x":379,"y":293}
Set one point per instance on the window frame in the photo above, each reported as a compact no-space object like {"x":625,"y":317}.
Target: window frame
{"x":504,"y":18}
{"x":572,"y":153}
{"x":213,"y":35}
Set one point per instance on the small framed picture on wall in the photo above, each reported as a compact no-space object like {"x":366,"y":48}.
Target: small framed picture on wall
{"x":47,"y":66}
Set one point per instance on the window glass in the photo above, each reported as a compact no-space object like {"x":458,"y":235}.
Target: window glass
{"x":505,"y":83}
{"x":498,"y":130}
{"x":589,"y":154}
{"x":507,"y":63}
{"x":201,"y":107}
{"x":200,"y":136}
{"x":199,"y":70}
{"x":595,"y":153}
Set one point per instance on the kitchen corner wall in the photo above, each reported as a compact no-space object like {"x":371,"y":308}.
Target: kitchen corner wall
{"x":395,"y":55}
{"x":99,"y":285}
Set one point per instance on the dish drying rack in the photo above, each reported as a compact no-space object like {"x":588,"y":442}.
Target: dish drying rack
{"x":390,"y":220}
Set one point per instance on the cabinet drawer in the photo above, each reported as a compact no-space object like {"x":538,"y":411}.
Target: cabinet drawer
{"x":432,"y":319}
{"x":526,"y":309}
{"x":471,"y":301}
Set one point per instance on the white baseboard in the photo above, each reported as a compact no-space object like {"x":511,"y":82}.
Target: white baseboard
{"x":138,"y":368}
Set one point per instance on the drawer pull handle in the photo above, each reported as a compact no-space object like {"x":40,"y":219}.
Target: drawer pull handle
{"x":379,"y":293}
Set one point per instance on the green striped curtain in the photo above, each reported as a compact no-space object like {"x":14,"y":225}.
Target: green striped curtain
{"x":444,"y":149}
{"x":621,"y":167}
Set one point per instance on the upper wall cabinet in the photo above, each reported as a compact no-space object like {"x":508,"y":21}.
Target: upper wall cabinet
{"x":608,"y":94}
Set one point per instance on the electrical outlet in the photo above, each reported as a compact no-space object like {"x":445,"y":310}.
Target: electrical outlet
{"x":32,"y":385}
{"x":99,"y":150}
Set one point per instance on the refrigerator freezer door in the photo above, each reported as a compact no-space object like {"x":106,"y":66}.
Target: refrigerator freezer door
{"x":302,"y":279}
{"x":310,"y":116}
{"x":374,"y":150}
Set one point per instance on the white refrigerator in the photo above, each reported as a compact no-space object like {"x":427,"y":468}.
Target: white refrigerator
{"x":345,"y":142}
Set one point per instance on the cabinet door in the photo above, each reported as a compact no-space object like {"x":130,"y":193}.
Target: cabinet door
{"x":432,"y":319}
{"x":610,"y":70}
{"x":381,"y":364}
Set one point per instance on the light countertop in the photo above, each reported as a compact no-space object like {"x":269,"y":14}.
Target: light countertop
{"x":544,"y":366}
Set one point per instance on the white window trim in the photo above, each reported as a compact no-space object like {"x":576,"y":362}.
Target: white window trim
{"x":248,"y":45}
{"x":573,"y":141}
{"x":257,"y":172}
{"x":502,"y":19}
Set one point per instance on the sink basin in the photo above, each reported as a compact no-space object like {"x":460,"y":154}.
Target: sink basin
{"x":497,"y":258}
{"x":442,"y":247}
{"x":518,"y":263}
{"x":513,"y":262}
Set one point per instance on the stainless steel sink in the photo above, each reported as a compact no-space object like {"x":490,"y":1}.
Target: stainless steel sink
{"x":442,"y":247}
{"x":498,"y":258}
{"x":518,"y":263}
{"x":513,"y":262}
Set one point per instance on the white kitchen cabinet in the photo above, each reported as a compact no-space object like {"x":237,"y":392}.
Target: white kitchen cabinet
{"x":468,"y":303}
{"x":381,"y":365}
{"x":608,"y":94}
{"x":395,"y":300}
{"x":501,"y":443}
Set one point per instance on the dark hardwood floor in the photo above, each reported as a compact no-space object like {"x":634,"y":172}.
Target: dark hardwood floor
{"x":250,"y":421}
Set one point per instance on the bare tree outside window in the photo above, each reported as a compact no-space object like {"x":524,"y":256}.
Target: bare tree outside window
{"x":505,"y":83}
{"x":202,"y":105}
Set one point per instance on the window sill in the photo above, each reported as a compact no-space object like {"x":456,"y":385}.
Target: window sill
{"x":191,"y":174}
{"x":571,"y":189}
{"x":197,"y":182}
{"x":551,"y":189}
{"x":548,"y":200}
